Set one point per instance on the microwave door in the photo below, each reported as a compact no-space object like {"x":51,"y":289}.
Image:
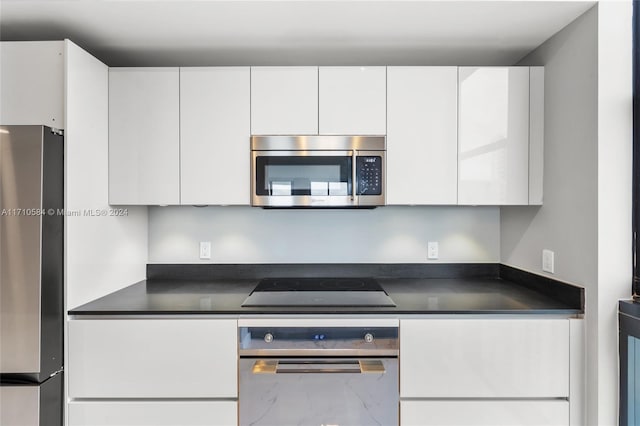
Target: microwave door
{"x":302,"y":178}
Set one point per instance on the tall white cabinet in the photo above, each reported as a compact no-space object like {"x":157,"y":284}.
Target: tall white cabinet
{"x":494,"y":127}
{"x":144,"y":132}
{"x":214,"y":135}
{"x":422,"y":120}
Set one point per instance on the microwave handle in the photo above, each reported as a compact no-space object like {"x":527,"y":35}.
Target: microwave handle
{"x":354,"y":183}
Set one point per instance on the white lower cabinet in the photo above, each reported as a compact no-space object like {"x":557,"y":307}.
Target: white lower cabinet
{"x":153,"y":413}
{"x":484,"y":413}
{"x":480,"y":358}
{"x":152,"y":372}
{"x":153,"y":358}
{"x":476,"y":372}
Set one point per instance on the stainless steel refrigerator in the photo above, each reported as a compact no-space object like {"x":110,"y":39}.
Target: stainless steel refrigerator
{"x":31,"y":276}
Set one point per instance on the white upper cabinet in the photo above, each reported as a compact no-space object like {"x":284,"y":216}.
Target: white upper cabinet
{"x":144,"y":136}
{"x":214,"y":135}
{"x":493,"y":135}
{"x":352,"y":100}
{"x":32,"y":82}
{"x":422,"y":120}
{"x":284,"y":101}
{"x":536,"y":134}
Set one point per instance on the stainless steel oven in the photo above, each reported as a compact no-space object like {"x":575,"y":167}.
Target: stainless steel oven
{"x":318,"y":372}
{"x":318,"y":171}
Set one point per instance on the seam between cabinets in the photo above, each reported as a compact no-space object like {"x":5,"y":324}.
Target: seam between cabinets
{"x":386,"y":109}
{"x":250,"y":134}
{"x":529,"y":141}
{"x":108,"y":139}
{"x":458,"y":136}
{"x":179,"y":135}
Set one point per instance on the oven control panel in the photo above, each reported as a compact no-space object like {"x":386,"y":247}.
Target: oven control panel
{"x":369,"y":175}
{"x":265,"y":341}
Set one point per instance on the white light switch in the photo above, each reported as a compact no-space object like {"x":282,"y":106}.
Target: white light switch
{"x":548,"y":262}
{"x":205,"y":249}
{"x":432,"y":250}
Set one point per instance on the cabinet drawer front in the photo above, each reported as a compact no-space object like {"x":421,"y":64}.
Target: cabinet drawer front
{"x":153,"y":413}
{"x":152,"y":358}
{"x":455,"y":358}
{"x":484,"y":413}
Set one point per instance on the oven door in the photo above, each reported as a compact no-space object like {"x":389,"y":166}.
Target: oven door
{"x":318,"y":391}
{"x":302,"y":178}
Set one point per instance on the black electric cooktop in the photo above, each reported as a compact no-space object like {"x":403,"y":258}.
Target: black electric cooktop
{"x":318,"y":292}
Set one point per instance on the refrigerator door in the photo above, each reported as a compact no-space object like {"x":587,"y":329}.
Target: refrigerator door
{"x":32,"y":405}
{"x":19,"y":405}
{"x":31,"y":247}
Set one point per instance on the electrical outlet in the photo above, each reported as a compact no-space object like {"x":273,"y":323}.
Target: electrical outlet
{"x":548,"y":261}
{"x":205,"y":249}
{"x":432,"y":250}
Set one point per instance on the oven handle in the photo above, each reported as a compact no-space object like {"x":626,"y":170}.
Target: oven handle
{"x":314,"y":366}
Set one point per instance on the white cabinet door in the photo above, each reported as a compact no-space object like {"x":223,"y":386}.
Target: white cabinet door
{"x":32,"y":83}
{"x":352,"y":101}
{"x":484,"y":413}
{"x":153,"y":413}
{"x":214,"y":135}
{"x":152,"y":358}
{"x":422,"y":145}
{"x":144,"y":136}
{"x":477,"y":358}
{"x":284,"y":100}
{"x":493,"y":135}
{"x":536,"y":134}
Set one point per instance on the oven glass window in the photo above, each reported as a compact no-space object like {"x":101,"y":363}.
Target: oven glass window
{"x":304,"y":175}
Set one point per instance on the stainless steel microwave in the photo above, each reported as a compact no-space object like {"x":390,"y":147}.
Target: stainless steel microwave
{"x":318,"y":171}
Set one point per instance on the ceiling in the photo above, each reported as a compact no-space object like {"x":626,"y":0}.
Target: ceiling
{"x":238,"y":32}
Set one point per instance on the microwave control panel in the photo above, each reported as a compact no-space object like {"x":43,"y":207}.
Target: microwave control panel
{"x":369,"y":175}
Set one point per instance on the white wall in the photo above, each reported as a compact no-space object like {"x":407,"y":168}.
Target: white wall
{"x":585,"y":218}
{"x":615,"y":124}
{"x":567,"y":222}
{"x":386,"y":234}
{"x":103,"y":253}
{"x":568,"y":218}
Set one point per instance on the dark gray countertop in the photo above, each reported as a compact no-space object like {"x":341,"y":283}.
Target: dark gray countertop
{"x":417,"y":295}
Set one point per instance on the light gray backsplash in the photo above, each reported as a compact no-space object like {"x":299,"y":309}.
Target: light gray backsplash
{"x":389,"y":234}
